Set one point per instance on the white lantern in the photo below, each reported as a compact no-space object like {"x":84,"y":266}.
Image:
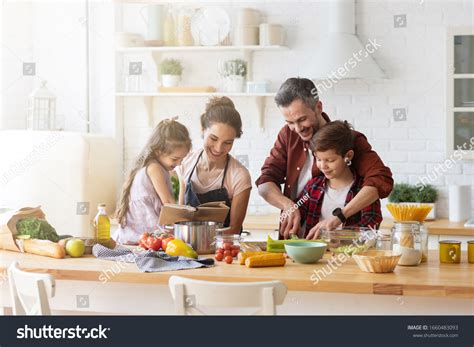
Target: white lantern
{"x":41,"y":109}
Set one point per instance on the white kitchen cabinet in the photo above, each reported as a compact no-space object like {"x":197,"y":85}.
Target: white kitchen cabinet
{"x":460,"y":92}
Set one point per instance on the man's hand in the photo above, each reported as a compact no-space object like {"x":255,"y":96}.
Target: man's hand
{"x":290,"y":222}
{"x":331,"y":223}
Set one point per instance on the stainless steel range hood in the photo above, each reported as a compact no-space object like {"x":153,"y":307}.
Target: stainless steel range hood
{"x":341,"y":48}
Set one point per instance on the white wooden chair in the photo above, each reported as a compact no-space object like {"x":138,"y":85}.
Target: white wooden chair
{"x":188,"y":294}
{"x":30,"y":291}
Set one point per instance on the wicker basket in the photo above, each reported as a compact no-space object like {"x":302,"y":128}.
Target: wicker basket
{"x":377,"y":261}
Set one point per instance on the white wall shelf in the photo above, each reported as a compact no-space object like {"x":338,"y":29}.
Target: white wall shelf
{"x":148,"y":100}
{"x":126,"y":94}
{"x":198,"y":49}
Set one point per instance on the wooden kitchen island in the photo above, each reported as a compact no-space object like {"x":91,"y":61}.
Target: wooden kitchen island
{"x":450,"y":287}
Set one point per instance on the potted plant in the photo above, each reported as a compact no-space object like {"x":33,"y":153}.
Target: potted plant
{"x":402,"y":193}
{"x":171,"y":70}
{"x":427,"y":194}
{"x":234,"y":73}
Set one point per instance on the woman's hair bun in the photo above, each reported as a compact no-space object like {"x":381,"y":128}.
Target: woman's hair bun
{"x":219,"y":101}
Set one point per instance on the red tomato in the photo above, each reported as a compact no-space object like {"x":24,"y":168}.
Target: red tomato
{"x":227,"y":246}
{"x":228,"y":259}
{"x":237,"y":247}
{"x":227,"y":253}
{"x":220,"y":250}
{"x":165,"y":242}
{"x":219,"y":256}
{"x":143,"y":239}
{"x":235,"y":252}
{"x":154,"y":243}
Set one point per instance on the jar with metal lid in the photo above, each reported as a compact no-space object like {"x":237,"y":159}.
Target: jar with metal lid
{"x":424,"y":242}
{"x":407,"y":239}
{"x":384,"y":240}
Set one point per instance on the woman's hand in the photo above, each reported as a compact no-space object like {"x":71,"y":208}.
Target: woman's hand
{"x":331,"y":223}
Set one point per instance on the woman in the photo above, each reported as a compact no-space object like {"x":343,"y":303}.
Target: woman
{"x":211,"y":173}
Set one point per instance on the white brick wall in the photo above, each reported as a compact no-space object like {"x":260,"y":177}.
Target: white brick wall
{"x":412,"y":57}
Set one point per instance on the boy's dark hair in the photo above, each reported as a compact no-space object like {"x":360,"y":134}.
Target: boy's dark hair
{"x":297,"y":88}
{"x":335,"y":135}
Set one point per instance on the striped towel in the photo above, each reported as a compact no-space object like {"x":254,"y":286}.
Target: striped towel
{"x":150,"y":261}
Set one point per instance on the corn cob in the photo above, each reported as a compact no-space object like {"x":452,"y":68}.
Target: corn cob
{"x":265,"y":260}
{"x":244,"y":255}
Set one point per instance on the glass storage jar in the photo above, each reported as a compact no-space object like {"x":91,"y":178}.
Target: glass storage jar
{"x":228,"y":244}
{"x":407,"y":238}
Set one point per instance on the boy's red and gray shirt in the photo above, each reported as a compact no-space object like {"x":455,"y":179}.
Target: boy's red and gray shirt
{"x":310,"y":209}
{"x":288,"y":155}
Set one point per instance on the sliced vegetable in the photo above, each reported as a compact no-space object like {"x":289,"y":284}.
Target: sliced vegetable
{"x":265,"y":260}
{"x":278,"y":246}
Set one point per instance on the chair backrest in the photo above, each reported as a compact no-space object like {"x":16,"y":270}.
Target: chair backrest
{"x":188,"y":294}
{"x":30,"y":291}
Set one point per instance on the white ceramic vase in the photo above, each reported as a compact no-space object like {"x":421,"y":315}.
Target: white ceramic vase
{"x":234,"y":84}
{"x":170,"y":80}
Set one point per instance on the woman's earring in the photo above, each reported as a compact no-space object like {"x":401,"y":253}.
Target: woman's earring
{"x":348,"y":162}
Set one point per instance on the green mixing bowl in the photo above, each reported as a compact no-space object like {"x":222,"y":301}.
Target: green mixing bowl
{"x":306,"y":252}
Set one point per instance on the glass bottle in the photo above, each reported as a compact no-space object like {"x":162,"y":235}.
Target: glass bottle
{"x":102,"y":225}
{"x":169,"y":30}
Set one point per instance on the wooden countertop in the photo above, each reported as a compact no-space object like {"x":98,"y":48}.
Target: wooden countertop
{"x":436,"y":227}
{"x":430,"y":279}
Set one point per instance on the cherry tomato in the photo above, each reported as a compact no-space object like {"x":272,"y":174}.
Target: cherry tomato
{"x":228,"y":259}
{"x":227,"y":246}
{"x":227,"y":253}
{"x":237,"y":247}
{"x":219,"y":256}
{"x":220,"y":250}
{"x":235,"y":252}
{"x":165,"y":242}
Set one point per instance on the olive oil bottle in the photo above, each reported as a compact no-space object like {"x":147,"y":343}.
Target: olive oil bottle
{"x":102,"y":225}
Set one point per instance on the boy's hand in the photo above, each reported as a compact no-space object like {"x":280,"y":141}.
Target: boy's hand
{"x":331,"y":223}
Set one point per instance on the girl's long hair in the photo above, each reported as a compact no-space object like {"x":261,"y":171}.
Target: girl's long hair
{"x":165,"y":138}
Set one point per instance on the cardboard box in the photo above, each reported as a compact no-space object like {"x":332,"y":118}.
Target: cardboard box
{"x":215,"y":211}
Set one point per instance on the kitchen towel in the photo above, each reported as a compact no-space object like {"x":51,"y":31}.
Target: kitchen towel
{"x":150,"y":261}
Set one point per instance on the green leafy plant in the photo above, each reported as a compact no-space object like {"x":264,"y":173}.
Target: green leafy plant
{"x":403,"y":192}
{"x":171,"y":67}
{"x":175,"y":187}
{"x":426,"y":194}
{"x":36,"y":229}
{"x":236,"y":67}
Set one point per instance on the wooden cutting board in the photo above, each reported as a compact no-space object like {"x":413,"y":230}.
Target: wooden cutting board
{"x":183,"y":89}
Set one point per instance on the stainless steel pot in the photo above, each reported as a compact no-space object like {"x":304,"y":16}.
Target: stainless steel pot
{"x":200,"y":235}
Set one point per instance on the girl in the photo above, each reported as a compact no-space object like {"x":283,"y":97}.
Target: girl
{"x":325,"y":196}
{"x":148,"y":185}
{"x":211,"y":173}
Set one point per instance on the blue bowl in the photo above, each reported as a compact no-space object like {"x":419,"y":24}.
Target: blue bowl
{"x":305,"y":252}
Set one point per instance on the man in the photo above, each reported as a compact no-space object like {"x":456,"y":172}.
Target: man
{"x":291,"y":161}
